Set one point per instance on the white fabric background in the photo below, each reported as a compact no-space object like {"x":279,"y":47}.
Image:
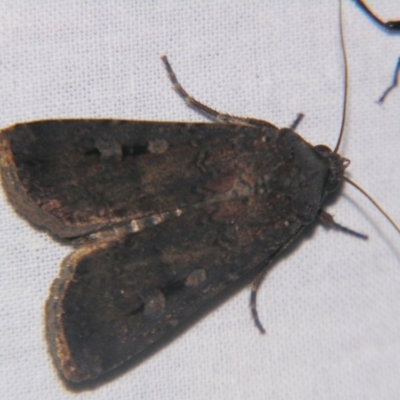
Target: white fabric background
{"x":331,"y":307}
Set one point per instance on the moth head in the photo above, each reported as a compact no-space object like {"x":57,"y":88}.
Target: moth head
{"x":337,"y":166}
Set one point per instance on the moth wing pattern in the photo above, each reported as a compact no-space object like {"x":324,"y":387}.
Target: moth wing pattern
{"x":116,"y":299}
{"x":133,"y":291}
{"x":73,"y":177}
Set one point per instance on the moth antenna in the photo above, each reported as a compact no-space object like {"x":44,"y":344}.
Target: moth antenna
{"x":346,"y":78}
{"x":374,"y":202}
{"x":367,"y":195}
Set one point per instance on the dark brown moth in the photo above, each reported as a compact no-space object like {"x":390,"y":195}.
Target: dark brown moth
{"x":165,"y":217}
{"x":168,"y":216}
{"x":390,"y":27}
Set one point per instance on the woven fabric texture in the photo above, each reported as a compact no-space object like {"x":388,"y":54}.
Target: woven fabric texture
{"x":331,"y":306}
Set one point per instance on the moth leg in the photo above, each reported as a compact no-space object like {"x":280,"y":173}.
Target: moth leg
{"x":255,"y":285}
{"x":208,"y":112}
{"x":328,"y":221}
{"x":297,"y":121}
{"x":395,"y":82}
